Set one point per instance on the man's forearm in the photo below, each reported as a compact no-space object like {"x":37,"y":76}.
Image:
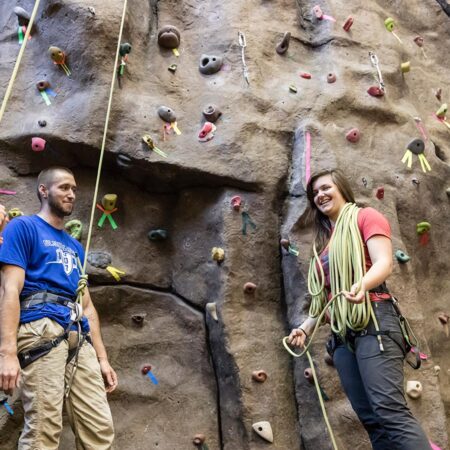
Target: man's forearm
{"x":96,"y":336}
{"x":9,"y":320}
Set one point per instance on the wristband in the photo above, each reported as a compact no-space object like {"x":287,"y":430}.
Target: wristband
{"x":306,"y":334}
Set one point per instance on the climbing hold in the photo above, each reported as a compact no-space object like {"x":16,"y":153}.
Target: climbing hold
{"x":308,"y":374}
{"x":167,"y":114}
{"x":284,"y":44}
{"x":217,"y":254}
{"x":364,"y":181}
{"x":99,"y":259}
{"x":401,"y":256}
{"x":305,"y":75}
{"x":146,"y":369}
{"x":210,"y":64}
{"x":348,"y":23}
{"x":417,"y":146}
{"x":138,"y":319}
{"x":157,"y":235}
{"x":447,"y":191}
{"x":438,"y":94}
{"x":415,"y":181}
{"x":151,"y":145}
{"x":169,"y":37}
{"x":380,"y":193}
{"x":443,"y":318}
{"x":91,"y":9}
{"x":405,"y":67}
{"x":207,"y":132}
{"x":199,"y":439}
{"x":74,"y":228}
{"x":353,"y":135}
{"x":284,"y":243}
{"x":259,"y":376}
{"x":389,"y":23}
{"x":42,"y":85}
{"x":42,"y":123}
{"x":123,"y":161}
{"x":172,"y":68}
{"x":436,"y":369}
{"x":331,"y":78}
{"x":264,"y":430}
{"x":22,"y":16}
{"x":125,"y":49}
{"x":236,"y":202}
{"x":59,"y":58}
{"x":212,"y":309}
{"x":375,"y":91}
{"x":442,"y":111}
{"x":38,"y":144}
{"x":328,"y":360}
{"x":318,"y":12}
{"x":423,"y":227}
{"x":249,"y":288}
{"x":414,"y":389}
{"x":212,"y":113}
{"x":419,"y":41}
{"x":293,"y":88}
{"x":109,"y":202}
{"x":14,"y":212}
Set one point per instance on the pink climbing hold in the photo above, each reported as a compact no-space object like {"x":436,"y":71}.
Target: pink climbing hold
{"x":236,"y":202}
{"x":353,"y":135}
{"x":305,"y":75}
{"x":207,"y":132}
{"x":318,"y":12}
{"x":38,"y":144}
{"x":434,"y":446}
{"x":375,"y":91}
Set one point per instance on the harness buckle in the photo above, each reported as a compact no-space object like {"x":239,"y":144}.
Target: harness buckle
{"x":76,"y":312}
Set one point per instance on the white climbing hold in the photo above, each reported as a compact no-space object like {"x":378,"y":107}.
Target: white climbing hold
{"x":437,"y":369}
{"x":212,"y":309}
{"x":264,"y":429}
{"x":414,"y":388}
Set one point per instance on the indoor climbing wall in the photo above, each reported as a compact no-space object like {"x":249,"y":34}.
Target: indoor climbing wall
{"x":220,"y":112}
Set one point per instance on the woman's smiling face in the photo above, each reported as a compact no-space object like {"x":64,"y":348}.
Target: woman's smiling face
{"x":327,"y":197}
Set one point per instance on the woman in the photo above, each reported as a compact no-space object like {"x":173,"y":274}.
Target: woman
{"x":353,"y":255}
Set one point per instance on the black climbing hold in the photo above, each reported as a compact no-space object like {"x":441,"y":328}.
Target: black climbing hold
{"x":172,"y":68}
{"x":417,"y":146}
{"x":22,"y":16}
{"x":42,"y":123}
{"x":125,"y":48}
{"x":212,"y":113}
{"x":124,"y":161}
{"x":167,"y":114}
{"x":42,"y":85}
{"x":157,"y":235}
{"x":210,"y":64}
{"x":99,"y":259}
{"x":138,"y":319}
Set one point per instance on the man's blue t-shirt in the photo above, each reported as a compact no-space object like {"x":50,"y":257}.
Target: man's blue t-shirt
{"x":49,"y":258}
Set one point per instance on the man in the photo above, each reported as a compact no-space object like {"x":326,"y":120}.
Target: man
{"x":3,"y":220}
{"x":39,"y":276}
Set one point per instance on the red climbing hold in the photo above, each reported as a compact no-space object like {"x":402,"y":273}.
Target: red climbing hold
{"x":305,"y":75}
{"x":146,"y":369}
{"x":348,"y":23}
{"x":236,"y":202}
{"x":38,"y":144}
{"x":380,"y":193}
{"x":353,"y":135}
{"x":207,"y":132}
{"x":375,"y":91}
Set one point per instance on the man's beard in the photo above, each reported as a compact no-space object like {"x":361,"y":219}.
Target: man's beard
{"x":56,"y":209}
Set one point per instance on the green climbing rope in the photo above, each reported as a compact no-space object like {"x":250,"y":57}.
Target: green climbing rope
{"x":19,"y":60}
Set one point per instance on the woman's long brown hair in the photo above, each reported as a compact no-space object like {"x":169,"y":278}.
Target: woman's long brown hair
{"x":322,"y":223}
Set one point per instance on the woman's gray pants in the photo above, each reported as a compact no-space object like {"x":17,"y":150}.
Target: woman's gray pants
{"x":373,"y":382}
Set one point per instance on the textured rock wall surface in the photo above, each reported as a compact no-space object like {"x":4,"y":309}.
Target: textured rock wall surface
{"x":204,"y":366}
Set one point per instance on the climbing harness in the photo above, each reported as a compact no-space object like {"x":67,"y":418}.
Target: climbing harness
{"x":243,"y":44}
{"x":19,"y":60}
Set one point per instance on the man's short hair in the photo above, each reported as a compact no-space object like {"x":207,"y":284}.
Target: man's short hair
{"x":47,"y":176}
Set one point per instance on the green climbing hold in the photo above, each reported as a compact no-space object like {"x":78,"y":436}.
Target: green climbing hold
{"x":423,"y":227}
{"x":157,"y":235}
{"x":401,"y":256}
{"x":74,"y":228}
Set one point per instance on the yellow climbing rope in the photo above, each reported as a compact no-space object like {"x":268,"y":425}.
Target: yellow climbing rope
{"x":83,"y":278}
{"x":19,"y":60}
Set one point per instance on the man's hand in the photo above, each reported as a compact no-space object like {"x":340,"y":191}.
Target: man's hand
{"x":109,"y":375}
{"x":357,"y":293}
{"x":9,"y":373}
{"x":297,"y":338}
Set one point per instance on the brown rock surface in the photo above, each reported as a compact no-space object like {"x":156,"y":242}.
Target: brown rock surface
{"x":205,"y":367}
